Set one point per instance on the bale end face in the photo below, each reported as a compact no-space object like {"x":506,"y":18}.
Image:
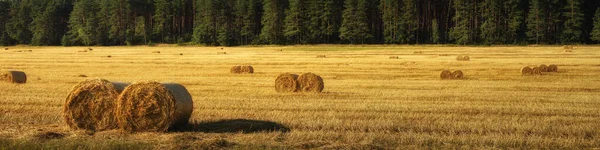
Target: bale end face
{"x":536,"y":71}
{"x":552,"y":68}
{"x":457,"y":74}
{"x":14,"y":77}
{"x":236,"y":69}
{"x":153,"y":107}
{"x":525,"y":71}
{"x":247,"y":69}
{"x":543,"y":68}
{"x":286,"y":83}
{"x":446,"y":74}
{"x":310,"y":82}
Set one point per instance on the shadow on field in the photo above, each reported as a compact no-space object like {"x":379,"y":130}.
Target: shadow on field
{"x":233,"y":126}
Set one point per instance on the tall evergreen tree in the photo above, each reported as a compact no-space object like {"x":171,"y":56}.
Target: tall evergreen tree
{"x":47,"y":26}
{"x":573,"y":22}
{"x":205,"y":31}
{"x":514,"y":21}
{"x":273,"y":21}
{"x":595,"y":34}
{"x":83,"y":24}
{"x":119,"y":22}
{"x":463,"y":31}
{"x":409,"y":22}
{"x":297,"y":22}
{"x":163,"y":19}
{"x":18,"y":26}
{"x":535,"y":22}
{"x":492,"y":31}
{"x":391,"y":20}
{"x":355,"y":26}
{"x":435,"y":32}
{"x":4,"y":17}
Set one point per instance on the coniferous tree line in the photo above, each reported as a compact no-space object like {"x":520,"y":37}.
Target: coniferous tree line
{"x":244,"y":22}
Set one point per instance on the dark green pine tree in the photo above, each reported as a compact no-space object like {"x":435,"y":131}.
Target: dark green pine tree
{"x":297,"y":22}
{"x":273,"y":21}
{"x":226,"y":31}
{"x":492,"y":31}
{"x":142,"y":31}
{"x":47,"y":27}
{"x":163,"y":19}
{"x":205,"y":30}
{"x":463,"y":32}
{"x":331,"y":20}
{"x":355,"y":25}
{"x":18,"y":25}
{"x":391,"y":20}
{"x":514,"y":20}
{"x":4,"y":17}
{"x":119,"y":22}
{"x":409,"y":22}
{"x":435,"y":32}
{"x":83,"y":24}
{"x":248,"y":17}
{"x":595,"y":34}
{"x":535,"y":22}
{"x":573,"y":23}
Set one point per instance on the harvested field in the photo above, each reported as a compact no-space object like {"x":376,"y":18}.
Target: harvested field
{"x":369,"y":102}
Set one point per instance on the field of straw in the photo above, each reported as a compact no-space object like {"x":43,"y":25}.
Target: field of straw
{"x":369,"y":101}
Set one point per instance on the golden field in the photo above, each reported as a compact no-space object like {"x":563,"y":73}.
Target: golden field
{"x":369,"y":101}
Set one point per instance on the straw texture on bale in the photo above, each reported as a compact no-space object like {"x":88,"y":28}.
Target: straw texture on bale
{"x":153,"y":107}
{"x":552,"y":68}
{"x":543,"y":68}
{"x":310,"y":82}
{"x":321,"y":56}
{"x":536,"y":71}
{"x":526,"y":71}
{"x":457,"y":74}
{"x":91,"y":105}
{"x":446,"y":74}
{"x":247,"y":69}
{"x":286,"y":82}
{"x":236,"y":69}
{"x":14,"y":76}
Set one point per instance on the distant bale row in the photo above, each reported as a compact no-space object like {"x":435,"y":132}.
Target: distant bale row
{"x":418,"y":52}
{"x":568,"y":48}
{"x":321,"y":56}
{"x":99,"y":105}
{"x":241,"y":69}
{"x":449,"y":75}
{"x":537,"y":70}
{"x":463,"y":58}
{"x":308,"y":82}
{"x":394,"y":57}
{"x":14,"y":77}
{"x":221,"y":53}
{"x":156,"y":52}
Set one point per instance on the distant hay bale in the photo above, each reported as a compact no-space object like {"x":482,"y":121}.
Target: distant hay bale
{"x":90,"y":49}
{"x":247,"y":69}
{"x":82,"y":51}
{"x":221,"y":53}
{"x":446,"y":74}
{"x":536,"y":71}
{"x":394,"y":57}
{"x":14,"y":77}
{"x":108,"y":56}
{"x":156,"y":52}
{"x":6,"y":49}
{"x":463,"y":58}
{"x":19,"y":51}
{"x":29,"y":50}
{"x":418,"y":52}
{"x":552,"y":68}
{"x":321,"y":56}
{"x":457,"y":74}
{"x":180,"y":54}
{"x":236,"y":69}
{"x":286,"y":83}
{"x":526,"y":71}
{"x":310,"y":82}
{"x":153,"y":107}
{"x":543,"y":68}
{"x":91,"y":105}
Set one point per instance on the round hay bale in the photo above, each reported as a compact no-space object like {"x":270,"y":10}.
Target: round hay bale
{"x":247,"y":69}
{"x":90,"y":49}
{"x":153,"y":107}
{"x":394,"y":57}
{"x":6,"y":49}
{"x":221,"y":53}
{"x":565,"y":47}
{"x":14,"y":77}
{"x":321,"y":56}
{"x":466,"y":58}
{"x":156,"y":52}
{"x":459,"y":58}
{"x":91,"y":105}
{"x":457,"y":74}
{"x":446,"y":74}
{"x":418,"y":52}
{"x":526,"y":71}
{"x":286,"y":83}
{"x":552,"y":68}
{"x":236,"y":69}
{"x":310,"y":82}
{"x":536,"y":71}
{"x":543,"y":68}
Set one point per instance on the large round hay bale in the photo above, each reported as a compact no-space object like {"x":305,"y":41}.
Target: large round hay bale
{"x":536,"y":71}
{"x":457,"y":74}
{"x":236,"y":69}
{"x":466,"y":58}
{"x":543,"y":68}
{"x":552,"y":68}
{"x":14,"y":76}
{"x":459,"y":58}
{"x":446,"y":74}
{"x":247,"y":69}
{"x":310,"y":82}
{"x":526,"y":71}
{"x":153,"y":107}
{"x":286,"y":83}
{"x":91,"y":105}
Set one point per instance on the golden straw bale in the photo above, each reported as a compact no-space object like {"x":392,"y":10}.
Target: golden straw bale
{"x":457,"y":74}
{"x":236,"y":69}
{"x":287,"y":82}
{"x":91,"y":105}
{"x":526,"y":71}
{"x":310,"y":82}
{"x":536,"y":71}
{"x":552,"y":68}
{"x":543,"y":68}
{"x":247,"y":69}
{"x":153,"y":107}
{"x":446,"y":74}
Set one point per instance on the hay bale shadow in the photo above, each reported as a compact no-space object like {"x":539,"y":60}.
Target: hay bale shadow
{"x":233,"y":126}
{"x":49,"y":135}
